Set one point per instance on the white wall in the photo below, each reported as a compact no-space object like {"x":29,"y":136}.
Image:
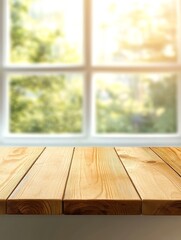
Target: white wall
{"x":90,"y":228}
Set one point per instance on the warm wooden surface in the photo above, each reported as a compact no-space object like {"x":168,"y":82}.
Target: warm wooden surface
{"x":14,"y":163}
{"x":92,"y":180}
{"x":98,"y":184}
{"x":170,"y":155}
{"x":42,"y":189}
{"x":158,"y":185}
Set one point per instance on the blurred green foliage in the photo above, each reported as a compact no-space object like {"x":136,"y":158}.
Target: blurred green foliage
{"x":34,"y":41}
{"x":136,"y":103}
{"x":46,"y":104}
{"x":53,"y":103}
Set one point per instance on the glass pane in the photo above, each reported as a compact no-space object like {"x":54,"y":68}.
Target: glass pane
{"x":136,"y":103}
{"x":43,"y":31}
{"x":134,"y":31}
{"x":46,"y":103}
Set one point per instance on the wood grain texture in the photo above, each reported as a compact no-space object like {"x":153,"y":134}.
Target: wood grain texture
{"x":171,"y":155}
{"x":98,"y":184}
{"x":158,"y":185}
{"x":42,"y":189}
{"x":14,"y":163}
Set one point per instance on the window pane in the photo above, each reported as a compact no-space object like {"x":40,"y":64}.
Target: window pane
{"x":46,"y":103}
{"x":134,"y":31}
{"x":43,"y":31}
{"x":136,"y":103}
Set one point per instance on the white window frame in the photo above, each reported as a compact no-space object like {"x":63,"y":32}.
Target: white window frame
{"x":88,"y":137}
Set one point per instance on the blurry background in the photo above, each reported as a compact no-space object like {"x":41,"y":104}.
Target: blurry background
{"x":102,"y":68}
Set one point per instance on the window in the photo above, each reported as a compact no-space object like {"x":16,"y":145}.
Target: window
{"x":90,"y":72}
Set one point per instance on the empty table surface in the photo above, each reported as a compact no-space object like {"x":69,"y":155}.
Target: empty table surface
{"x":90,"y":180}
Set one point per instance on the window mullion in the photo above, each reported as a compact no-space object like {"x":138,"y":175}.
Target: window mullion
{"x":179,"y":30}
{"x":43,"y":68}
{"x":179,"y":104}
{"x":179,"y":61}
{"x":139,"y":68}
{"x":2,"y":92}
{"x":87,"y":58}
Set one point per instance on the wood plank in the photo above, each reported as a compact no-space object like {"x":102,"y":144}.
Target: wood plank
{"x":171,"y":155}
{"x":158,"y":185}
{"x":14,"y":163}
{"x":41,"y":191}
{"x":98,"y":184}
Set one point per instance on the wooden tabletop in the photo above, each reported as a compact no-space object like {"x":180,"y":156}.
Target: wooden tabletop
{"x":90,"y":180}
